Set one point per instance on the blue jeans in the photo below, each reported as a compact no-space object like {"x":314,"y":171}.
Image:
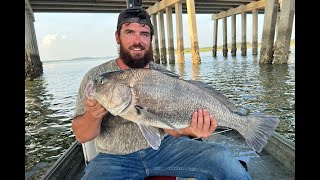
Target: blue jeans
{"x":180,"y":157}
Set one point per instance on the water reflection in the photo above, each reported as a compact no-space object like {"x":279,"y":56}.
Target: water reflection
{"x":45,"y":136}
{"x":195,"y":71}
{"x":49,"y":105}
{"x":278,"y":87}
{"x":181,"y":71}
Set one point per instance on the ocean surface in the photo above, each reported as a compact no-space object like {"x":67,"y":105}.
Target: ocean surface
{"x":50,"y":99}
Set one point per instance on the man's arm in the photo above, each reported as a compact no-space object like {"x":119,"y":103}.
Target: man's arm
{"x":202,"y":126}
{"x":87,"y":126}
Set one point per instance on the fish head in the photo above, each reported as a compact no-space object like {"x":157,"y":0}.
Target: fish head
{"x":112,"y":94}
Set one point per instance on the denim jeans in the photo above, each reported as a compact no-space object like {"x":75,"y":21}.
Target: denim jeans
{"x":180,"y":157}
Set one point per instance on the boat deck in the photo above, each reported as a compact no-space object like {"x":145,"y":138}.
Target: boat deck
{"x":70,"y":165}
{"x":260,"y":165}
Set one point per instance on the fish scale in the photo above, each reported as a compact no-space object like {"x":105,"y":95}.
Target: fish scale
{"x":156,"y":99}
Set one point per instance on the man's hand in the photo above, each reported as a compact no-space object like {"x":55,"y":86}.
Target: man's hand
{"x":202,"y":125}
{"x":87,"y":126}
{"x":94,"y":109}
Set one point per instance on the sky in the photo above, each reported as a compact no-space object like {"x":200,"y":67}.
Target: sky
{"x":63,"y":36}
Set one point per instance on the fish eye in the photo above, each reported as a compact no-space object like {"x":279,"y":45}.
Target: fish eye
{"x":99,"y":80}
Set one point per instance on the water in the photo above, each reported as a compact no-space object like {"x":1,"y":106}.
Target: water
{"x":50,"y":100}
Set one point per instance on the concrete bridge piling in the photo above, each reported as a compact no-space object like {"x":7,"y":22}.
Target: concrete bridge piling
{"x":270,"y":53}
{"x":268,"y":33}
{"x":166,"y":6}
{"x":282,"y":45}
{"x":33,"y":65}
{"x":254,"y":32}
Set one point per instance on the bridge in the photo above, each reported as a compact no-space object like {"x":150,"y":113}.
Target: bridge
{"x":276,"y":12}
{"x":115,"y":6}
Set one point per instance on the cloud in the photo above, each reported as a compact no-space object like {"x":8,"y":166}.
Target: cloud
{"x":48,"y":39}
{"x":64,"y":36}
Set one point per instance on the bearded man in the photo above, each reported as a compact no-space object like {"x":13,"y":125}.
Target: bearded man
{"x":123,"y":152}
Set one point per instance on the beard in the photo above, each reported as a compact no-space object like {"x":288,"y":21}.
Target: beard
{"x":133,"y":61}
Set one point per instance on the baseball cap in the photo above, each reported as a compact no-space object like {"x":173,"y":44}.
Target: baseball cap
{"x":134,"y":16}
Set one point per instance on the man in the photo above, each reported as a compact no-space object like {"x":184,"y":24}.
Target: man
{"x":123,"y":151}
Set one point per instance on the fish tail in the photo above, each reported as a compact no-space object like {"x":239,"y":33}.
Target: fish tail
{"x":260,"y":127}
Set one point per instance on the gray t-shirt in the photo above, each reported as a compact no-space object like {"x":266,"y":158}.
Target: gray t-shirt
{"x":117,"y":135}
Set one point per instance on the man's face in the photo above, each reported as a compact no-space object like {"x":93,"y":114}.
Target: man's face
{"x":135,"y":45}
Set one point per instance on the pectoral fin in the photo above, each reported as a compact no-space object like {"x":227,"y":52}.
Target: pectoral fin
{"x":142,"y":111}
{"x":152,"y":135}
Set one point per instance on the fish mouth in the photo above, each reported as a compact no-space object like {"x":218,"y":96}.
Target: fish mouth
{"x":89,"y":89}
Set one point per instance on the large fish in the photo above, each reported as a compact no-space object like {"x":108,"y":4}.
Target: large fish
{"x":155,"y":99}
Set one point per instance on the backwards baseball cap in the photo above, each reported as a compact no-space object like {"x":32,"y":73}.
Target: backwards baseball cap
{"x":134,"y":16}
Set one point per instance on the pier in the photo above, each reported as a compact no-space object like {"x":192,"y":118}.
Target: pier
{"x":275,"y":42}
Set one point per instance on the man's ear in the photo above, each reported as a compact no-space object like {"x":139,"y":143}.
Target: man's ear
{"x":117,"y":37}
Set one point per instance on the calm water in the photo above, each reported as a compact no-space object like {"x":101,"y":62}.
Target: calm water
{"x":50,"y":100}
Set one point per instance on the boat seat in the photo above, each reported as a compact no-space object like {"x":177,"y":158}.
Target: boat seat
{"x":89,"y":152}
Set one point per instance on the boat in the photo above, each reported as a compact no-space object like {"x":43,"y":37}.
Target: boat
{"x":275,"y":161}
